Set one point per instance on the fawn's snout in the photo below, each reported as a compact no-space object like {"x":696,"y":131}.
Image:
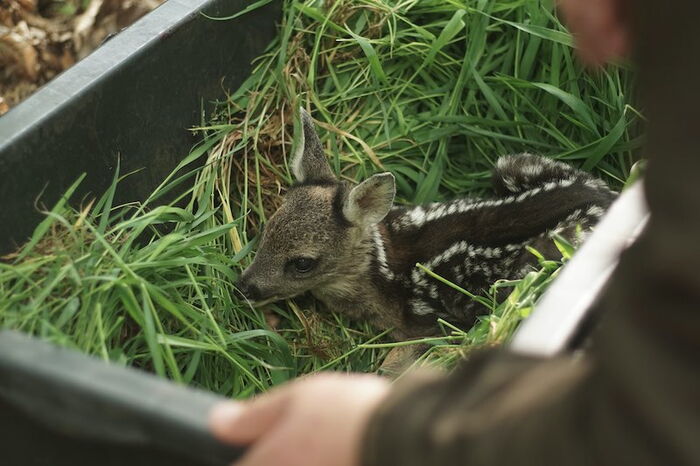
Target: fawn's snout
{"x":249,"y":290}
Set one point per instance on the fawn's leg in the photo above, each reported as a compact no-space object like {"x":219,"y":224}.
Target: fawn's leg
{"x":400,"y":358}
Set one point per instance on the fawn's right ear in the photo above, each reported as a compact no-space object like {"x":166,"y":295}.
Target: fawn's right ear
{"x":370,"y":201}
{"x":309,"y":163}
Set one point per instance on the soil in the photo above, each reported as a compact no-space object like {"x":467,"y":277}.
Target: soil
{"x":41,"y":38}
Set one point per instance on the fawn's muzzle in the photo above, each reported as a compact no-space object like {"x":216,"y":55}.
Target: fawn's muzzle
{"x":247,"y":289}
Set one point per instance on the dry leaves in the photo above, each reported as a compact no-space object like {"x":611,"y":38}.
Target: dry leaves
{"x":41,"y":38}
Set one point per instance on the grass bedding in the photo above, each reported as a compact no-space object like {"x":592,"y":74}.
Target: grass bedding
{"x":433,"y":91}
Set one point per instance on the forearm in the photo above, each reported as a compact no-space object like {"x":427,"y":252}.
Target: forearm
{"x":507,"y":410}
{"x":488,"y":412}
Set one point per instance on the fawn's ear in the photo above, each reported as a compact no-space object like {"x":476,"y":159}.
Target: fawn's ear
{"x":309,"y":163}
{"x":370,"y":201}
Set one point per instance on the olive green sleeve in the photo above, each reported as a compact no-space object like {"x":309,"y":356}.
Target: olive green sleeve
{"x":485,"y":413}
{"x":635,"y":399}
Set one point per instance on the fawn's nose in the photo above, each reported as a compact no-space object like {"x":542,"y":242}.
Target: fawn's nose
{"x":247,"y":289}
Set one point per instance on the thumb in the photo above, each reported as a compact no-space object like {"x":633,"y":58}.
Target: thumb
{"x":242,"y":423}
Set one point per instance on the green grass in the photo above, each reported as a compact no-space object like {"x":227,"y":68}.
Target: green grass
{"x":433,"y":91}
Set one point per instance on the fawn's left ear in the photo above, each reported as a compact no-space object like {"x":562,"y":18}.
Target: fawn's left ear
{"x":309,"y":163}
{"x":370,"y":201}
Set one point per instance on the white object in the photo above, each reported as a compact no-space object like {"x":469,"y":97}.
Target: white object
{"x":563,"y":307}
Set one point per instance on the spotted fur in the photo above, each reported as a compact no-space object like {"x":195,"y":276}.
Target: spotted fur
{"x":365,"y":251}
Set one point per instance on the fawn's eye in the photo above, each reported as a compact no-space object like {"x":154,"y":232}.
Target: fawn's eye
{"x":303,"y":264}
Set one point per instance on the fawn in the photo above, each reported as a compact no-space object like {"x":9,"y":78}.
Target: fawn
{"x":356,"y":252}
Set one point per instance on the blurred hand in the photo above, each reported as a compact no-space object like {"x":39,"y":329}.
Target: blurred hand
{"x":316,"y":421}
{"x":600,"y":28}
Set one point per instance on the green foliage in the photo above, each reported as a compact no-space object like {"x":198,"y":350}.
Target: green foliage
{"x":65,"y":7}
{"x":433,"y":91}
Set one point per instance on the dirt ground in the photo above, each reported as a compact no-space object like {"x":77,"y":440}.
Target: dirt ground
{"x":41,"y":38}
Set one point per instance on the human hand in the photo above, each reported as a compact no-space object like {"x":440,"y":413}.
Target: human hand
{"x":316,"y":421}
{"x":600,"y":28}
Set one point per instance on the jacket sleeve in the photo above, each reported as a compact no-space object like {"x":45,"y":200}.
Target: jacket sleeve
{"x":634,"y":399}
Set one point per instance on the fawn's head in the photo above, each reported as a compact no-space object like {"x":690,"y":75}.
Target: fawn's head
{"x":320,"y":236}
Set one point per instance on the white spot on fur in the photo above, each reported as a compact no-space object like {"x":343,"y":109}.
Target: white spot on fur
{"x":381,"y":254}
{"x":595,"y":211}
{"x":532,"y":171}
{"x":418,"y":278}
{"x":595,"y":184}
{"x":416,"y":216}
{"x":433,"y":292}
{"x":510,"y":183}
{"x":420,"y":307}
{"x":457,"y":248}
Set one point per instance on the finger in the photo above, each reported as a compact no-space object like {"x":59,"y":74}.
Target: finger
{"x":607,"y":40}
{"x":295,"y":442}
{"x":242,"y":423}
{"x":281,"y":447}
{"x":599,"y":28}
